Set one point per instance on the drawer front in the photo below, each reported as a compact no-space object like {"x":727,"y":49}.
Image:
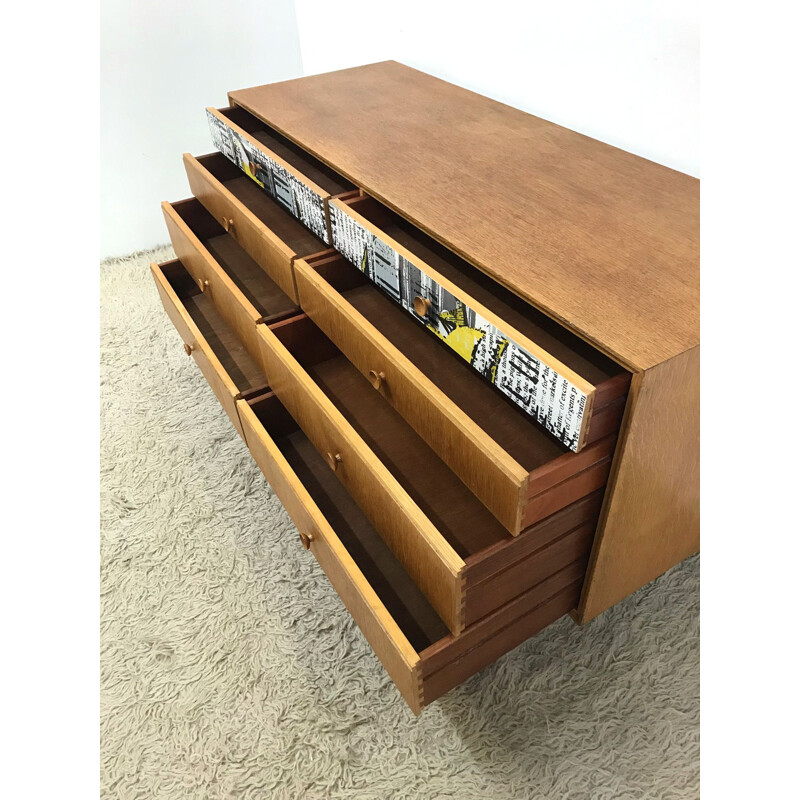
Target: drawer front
{"x":381,"y":631}
{"x":552,"y":393}
{"x":297,"y":193}
{"x":490,"y":473}
{"x":237,"y":310}
{"x":416,"y":543}
{"x":196,"y":346}
{"x":261,"y":244}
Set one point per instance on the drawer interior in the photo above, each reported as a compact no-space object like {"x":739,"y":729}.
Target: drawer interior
{"x":529,"y":444}
{"x":403,"y":600}
{"x":572,"y":351}
{"x":296,"y":235}
{"x":264,"y":294}
{"x":243,"y":370}
{"x":323,"y":175}
{"x":444,"y":660}
{"x":462,"y":519}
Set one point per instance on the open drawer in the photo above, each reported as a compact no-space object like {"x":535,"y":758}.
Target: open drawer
{"x":271,"y":236}
{"x":242,"y":292}
{"x":301,"y":183}
{"x":207,"y":338}
{"x":521,"y":473}
{"x":556,"y":378}
{"x":405,"y":632}
{"x":464,"y":561}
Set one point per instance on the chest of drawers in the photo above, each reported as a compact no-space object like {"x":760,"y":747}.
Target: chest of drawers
{"x":462,"y":345}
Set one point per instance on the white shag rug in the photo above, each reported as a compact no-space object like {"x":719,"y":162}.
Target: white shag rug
{"x":230,"y":669}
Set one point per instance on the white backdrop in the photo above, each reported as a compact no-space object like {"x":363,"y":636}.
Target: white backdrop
{"x":623,"y":71}
{"x":162,"y":63}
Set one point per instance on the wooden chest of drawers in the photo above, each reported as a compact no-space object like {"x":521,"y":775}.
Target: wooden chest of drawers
{"x":460,"y":342}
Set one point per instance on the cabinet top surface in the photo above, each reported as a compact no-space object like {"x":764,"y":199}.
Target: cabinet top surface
{"x":602,"y":240}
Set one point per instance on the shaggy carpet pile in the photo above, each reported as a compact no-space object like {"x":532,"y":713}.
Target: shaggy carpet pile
{"x":230,"y":669}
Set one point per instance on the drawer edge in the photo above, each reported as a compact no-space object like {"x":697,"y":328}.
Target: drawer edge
{"x":505,"y":329}
{"x":277,"y":250}
{"x":384,"y":636}
{"x":226,"y":392}
{"x":496,"y":635}
{"x":436,"y":567}
{"x":321,"y":226}
{"x":237,"y":310}
{"x":503,"y":495}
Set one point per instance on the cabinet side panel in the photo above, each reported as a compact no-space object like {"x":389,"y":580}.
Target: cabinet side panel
{"x":651,"y":520}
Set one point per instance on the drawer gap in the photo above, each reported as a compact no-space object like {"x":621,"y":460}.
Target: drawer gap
{"x":568,"y":348}
{"x":502,"y":588}
{"x":444,"y":660}
{"x":274,"y":216}
{"x":462,"y":519}
{"x":505,"y":422}
{"x":404,"y":601}
{"x":494,"y":560}
{"x":237,"y":362}
{"x":259,"y":289}
{"x":323,"y":175}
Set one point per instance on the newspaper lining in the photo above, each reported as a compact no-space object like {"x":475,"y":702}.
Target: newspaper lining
{"x":538,"y":389}
{"x":300,"y":200}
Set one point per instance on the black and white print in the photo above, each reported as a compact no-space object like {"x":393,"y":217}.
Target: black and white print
{"x":543,"y":393}
{"x":295,"y":196}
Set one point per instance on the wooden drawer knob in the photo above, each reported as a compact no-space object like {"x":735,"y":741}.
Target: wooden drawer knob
{"x":227,"y":224}
{"x":306,"y":539}
{"x":188,"y":348}
{"x":422,"y":305}
{"x":334,"y":459}
{"x":203,"y":285}
{"x":376,"y":378}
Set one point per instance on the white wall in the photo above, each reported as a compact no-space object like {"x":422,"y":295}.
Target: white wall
{"x":162,"y":63}
{"x":622,"y":71}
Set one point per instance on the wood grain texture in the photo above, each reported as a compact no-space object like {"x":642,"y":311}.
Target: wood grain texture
{"x":449,"y":648}
{"x":542,"y":505}
{"x":490,"y":473}
{"x":415,"y":541}
{"x":422,"y":379}
{"x":448,"y":660}
{"x":502,"y":587}
{"x":218,"y":379}
{"x":389,"y":643}
{"x":400,"y":595}
{"x":458,"y":517}
{"x":271,"y":253}
{"x":500,"y":636}
{"x":397,"y":615}
{"x":603,"y":241}
{"x":498,"y":322}
{"x":652,"y":516}
{"x":235,"y":301}
{"x":494,"y":560}
{"x":260,"y":144}
{"x":243,"y":370}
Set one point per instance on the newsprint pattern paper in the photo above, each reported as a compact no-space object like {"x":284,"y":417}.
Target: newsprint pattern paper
{"x":538,"y":389}
{"x":297,"y":198}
